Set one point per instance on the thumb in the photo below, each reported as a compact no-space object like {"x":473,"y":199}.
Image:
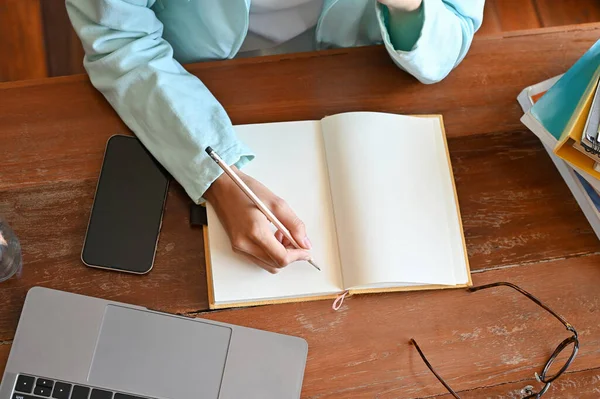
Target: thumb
{"x":292,"y":222}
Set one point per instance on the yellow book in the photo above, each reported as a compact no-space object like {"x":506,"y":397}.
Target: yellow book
{"x":569,"y":146}
{"x":376,"y":193}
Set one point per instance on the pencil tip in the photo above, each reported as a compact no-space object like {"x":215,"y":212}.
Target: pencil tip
{"x":314,"y":264}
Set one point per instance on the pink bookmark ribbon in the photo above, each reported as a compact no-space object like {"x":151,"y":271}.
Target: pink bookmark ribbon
{"x":337,"y":304}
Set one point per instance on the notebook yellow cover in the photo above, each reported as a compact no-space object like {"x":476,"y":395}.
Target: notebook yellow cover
{"x":566,"y":148}
{"x":381,"y":218}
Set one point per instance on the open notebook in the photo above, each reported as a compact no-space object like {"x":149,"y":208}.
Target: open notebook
{"x":377,"y":195}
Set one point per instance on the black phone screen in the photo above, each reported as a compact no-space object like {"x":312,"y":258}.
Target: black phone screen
{"x":128,"y":207}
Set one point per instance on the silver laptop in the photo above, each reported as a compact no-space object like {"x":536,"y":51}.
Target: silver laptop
{"x":70,"y":346}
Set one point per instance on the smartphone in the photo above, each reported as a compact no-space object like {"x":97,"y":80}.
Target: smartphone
{"x":127,"y":212}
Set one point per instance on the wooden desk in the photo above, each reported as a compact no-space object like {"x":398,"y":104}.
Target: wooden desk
{"x":521,"y":222}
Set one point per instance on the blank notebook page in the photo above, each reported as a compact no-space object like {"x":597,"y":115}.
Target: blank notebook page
{"x":394,"y":203}
{"x":290,"y":161}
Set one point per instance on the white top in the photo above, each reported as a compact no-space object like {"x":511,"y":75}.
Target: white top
{"x":281,"y":26}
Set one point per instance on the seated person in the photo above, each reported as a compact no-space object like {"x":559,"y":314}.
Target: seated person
{"x":134,"y":50}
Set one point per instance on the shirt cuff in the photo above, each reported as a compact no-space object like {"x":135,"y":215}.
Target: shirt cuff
{"x":404,"y":27}
{"x":238,"y":154}
{"x":429,"y":58}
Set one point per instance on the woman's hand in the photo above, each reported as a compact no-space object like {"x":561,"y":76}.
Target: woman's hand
{"x":250,"y":231}
{"x":402,"y":5}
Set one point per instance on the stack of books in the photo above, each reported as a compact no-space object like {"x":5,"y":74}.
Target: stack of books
{"x":564,"y":113}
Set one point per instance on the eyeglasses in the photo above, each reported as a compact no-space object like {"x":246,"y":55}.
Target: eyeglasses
{"x":544,"y":377}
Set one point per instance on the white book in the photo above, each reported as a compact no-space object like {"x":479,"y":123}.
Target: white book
{"x":583,"y":186}
{"x":377,"y":195}
{"x":525,"y":99}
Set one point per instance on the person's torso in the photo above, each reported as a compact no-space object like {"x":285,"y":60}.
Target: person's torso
{"x":207,"y":30}
{"x":281,"y":26}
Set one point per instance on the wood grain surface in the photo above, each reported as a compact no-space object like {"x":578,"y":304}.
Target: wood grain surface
{"x":521,"y":222}
{"x":515,"y":14}
{"x":555,"y":13}
{"x":22,"y":53}
{"x":64,"y":51}
{"x":507,"y":15}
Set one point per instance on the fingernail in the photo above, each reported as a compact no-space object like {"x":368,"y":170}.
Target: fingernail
{"x":306,"y":243}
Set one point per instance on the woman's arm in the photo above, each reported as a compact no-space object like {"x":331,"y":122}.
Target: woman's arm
{"x":176,"y":117}
{"x":428,"y":38}
{"x":170,"y":111}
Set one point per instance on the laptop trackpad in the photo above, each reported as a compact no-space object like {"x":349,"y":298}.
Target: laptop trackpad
{"x":158,"y":355}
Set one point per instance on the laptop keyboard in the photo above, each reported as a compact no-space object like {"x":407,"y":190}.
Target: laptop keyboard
{"x":29,"y":387}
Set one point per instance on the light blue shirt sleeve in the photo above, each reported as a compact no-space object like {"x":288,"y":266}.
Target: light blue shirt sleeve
{"x":432,"y":41}
{"x":170,"y":111}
